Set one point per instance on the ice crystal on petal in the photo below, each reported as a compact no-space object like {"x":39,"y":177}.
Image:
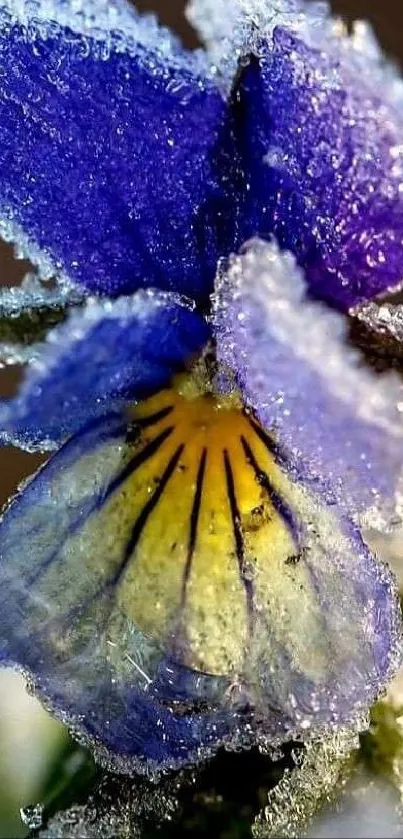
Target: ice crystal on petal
{"x":146,"y":693}
{"x":116,"y":26}
{"x":305,"y":383}
{"x":26,"y":313}
{"x":319,"y":120}
{"x":107,"y":117}
{"x":33,"y":294}
{"x":97,"y":361}
{"x":25,"y":248}
{"x":233,"y":28}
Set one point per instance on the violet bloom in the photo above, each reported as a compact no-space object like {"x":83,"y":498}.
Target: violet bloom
{"x":188,"y":570}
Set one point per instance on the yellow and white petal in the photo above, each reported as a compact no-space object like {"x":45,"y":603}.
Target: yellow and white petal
{"x":175,"y":539}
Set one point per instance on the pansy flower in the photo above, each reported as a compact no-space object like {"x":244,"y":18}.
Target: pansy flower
{"x":187,"y":570}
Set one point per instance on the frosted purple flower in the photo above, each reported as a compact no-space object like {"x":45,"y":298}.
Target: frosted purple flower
{"x":188,"y":568}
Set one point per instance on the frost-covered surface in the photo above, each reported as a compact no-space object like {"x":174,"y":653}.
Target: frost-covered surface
{"x":168,"y":174}
{"x":319,"y":126}
{"x":103,"y":356}
{"x":26,"y":311}
{"x":115,"y":24}
{"x":232,"y":28}
{"x":385,"y":320}
{"x":78,"y":84}
{"x":108,"y":173}
{"x":33,"y":294}
{"x":301,"y":793}
{"x":339,"y":427}
{"x":117,"y":807}
{"x":321,"y":149}
{"x":68,"y":563}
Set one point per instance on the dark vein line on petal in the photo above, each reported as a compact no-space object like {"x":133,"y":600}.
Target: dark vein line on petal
{"x":238,"y":535}
{"x":143,"y":517}
{"x":138,"y":527}
{"x":280,"y":506}
{"x":264,"y":437}
{"x":135,"y":463}
{"x":146,"y":422}
{"x":194,"y":521}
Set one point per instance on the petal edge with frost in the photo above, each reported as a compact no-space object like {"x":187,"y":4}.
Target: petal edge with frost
{"x":92,"y":555}
{"x":101,"y":358}
{"x":107,"y":150}
{"x":320,"y":123}
{"x":338,"y":427}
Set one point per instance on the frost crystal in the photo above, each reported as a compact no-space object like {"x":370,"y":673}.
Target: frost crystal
{"x":232,"y":28}
{"x":33,"y":294}
{"x":93,"y":363}
{"x":300,"y":794}
{"x":116,"y":26}
{"x":96,"y":88}
{"x":26,"y":312}
{"x":385,"y":320}
{"x":267,"y":330}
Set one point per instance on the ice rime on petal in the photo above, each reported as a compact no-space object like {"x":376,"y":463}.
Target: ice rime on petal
{"x":103,"y":356}
{"x":319,"y":116}
{"x":93,"y":543}
{"x":301,"y":794}
{"x":338,"y":426}
{"x":26,"y":312}
{"x":232,"y":28}
{"x":86,"y":660}
{"x":115,"y":23}
{"x":33,"y":294}
{"x":108,"y":136}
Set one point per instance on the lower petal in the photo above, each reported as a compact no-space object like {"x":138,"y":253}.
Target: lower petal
{"x":169,"y":589}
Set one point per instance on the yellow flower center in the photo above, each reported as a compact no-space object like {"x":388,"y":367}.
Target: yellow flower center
{"x":212,"y":537}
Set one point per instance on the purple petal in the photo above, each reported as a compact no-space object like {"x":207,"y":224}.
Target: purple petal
{"x":320,"y":127}
{"x":102,"y":357}
{"x":337,"y":426}
{"x":107,"y":149}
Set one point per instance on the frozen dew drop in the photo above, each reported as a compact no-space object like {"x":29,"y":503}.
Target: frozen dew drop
{"x":32,"y":816}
